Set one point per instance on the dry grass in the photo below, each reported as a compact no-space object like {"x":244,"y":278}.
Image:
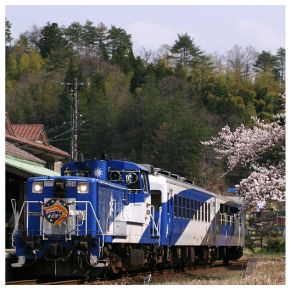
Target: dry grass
{"x":269,"y":271}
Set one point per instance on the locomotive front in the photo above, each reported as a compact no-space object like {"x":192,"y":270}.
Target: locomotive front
{"x":62,"y":235}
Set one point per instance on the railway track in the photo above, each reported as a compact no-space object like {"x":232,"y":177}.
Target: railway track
{"x":40,"y":282}
{"x":138,"y":276}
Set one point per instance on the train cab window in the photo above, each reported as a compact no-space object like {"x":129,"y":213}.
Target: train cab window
{"x":132,"y":179}
{"x":144,"y":181}
{"x":188,"y":209}
{"x":156,"y":199}
{"x":68,"y":172}
{"x":83,"y":173}
{"x":205,"y":211}
{"x":195,"y":209}
{"x":175,"y":206}
{"x":179,"y":207}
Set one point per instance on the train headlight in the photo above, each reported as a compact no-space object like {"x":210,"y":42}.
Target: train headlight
{"x":37,"y":187}
{"x":83,"y":187}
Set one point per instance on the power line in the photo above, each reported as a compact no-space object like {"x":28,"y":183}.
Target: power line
{"x":51,"y":139}
{"x":49,"y":131}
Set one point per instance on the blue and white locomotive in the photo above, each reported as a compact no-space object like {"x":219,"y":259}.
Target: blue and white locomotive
{"x":118,"y":216}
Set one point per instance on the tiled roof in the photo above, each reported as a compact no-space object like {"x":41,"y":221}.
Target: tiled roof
{"x":8,"y":127}
{"x":33,"y":132}
{"x":49,"y":148}
{"x":10,"y":149}
{"x":30,"y":135}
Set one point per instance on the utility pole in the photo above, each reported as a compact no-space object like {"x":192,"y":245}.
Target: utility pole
{"x":74,"y":119}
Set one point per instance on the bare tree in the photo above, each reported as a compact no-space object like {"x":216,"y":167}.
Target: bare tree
{"x":241,"y":60}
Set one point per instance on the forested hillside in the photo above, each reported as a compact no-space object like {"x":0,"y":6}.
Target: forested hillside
{"x":147,"y":107}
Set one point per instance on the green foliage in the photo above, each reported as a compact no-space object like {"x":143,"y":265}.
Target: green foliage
{"x":51,"y":38}
{"x":119,"y":40}
{"x":277,"y":246}
{"x":145,"y":112}
{"x":8,"y":33}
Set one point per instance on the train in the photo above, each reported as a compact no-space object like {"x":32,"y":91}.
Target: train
{"x":106,"y":216}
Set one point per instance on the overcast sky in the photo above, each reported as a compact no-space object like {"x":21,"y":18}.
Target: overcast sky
{"x":213,"y":27}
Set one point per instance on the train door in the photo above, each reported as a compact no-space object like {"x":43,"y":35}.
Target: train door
{"x":156,"y":208}
{"x":170,"y":208}
{"x":216,"y":207}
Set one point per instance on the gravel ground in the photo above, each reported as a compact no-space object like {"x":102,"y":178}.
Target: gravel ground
{"x":269,"y":270}
{"x":180,"y":277}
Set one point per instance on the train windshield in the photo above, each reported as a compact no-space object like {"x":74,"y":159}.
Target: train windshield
{"x":132,"y":179}
{"x":144,"y":181}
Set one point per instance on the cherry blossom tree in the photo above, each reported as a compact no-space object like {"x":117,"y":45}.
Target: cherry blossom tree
{"x":262,"y":149}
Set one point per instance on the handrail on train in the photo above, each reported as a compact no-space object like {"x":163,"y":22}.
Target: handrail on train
{"x":41,"y":215}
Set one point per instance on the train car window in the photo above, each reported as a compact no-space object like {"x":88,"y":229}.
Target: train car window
{"x":202,"y":211}
{"x":144,"y":181}
{"x":198,"y":210}
{"x":195,"y":214}
{"x":208,"y":211}
{"x":183,"y":204}
{"x":179,"y":207}
{"x":168,"y":201}
{"x":205,"y":212}
{"x":188,"y":208}
{"x":191,"y":209}
{"x":156,"y":199}
{"x":231,"y":215}
{"x":175,"y":206}
{"x":221,"y":214}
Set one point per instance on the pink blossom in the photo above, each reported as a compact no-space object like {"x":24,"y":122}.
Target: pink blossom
{"x":249,"y":147}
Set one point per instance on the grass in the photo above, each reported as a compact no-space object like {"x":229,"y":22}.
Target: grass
{"x":269,"y":271}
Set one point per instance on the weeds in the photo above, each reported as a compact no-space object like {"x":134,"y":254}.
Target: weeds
{"x":270,"y":271}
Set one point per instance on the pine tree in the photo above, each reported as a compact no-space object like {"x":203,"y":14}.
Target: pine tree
{"x":118,"y":39}
{"x":8,"y":37}
{"x":51,"y":38}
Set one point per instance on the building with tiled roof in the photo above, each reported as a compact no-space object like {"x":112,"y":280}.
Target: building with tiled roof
{"x":12,"y":150}
{"x":27,"y":153}
{"x":32,"y":139}
{"x":32,"y":132}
